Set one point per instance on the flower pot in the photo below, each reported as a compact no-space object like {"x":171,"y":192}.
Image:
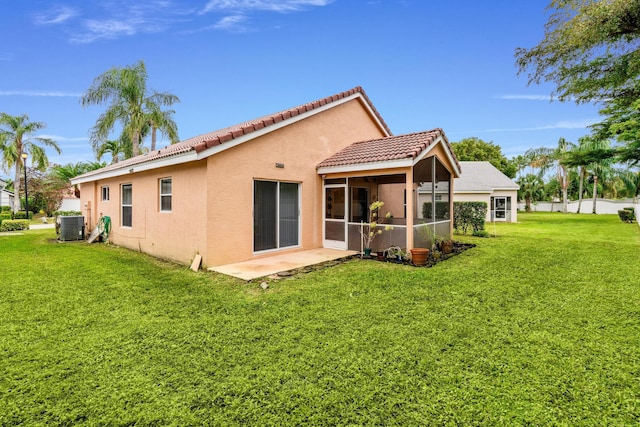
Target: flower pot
{"x":380,"y":255}
{"x":447,"y":246}
{"x":367,"y":252}
{"x":419,"y":256}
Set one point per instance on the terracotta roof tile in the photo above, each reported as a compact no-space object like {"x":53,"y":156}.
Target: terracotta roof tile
{"x":202,"y":142}
{"x":408,"y":146}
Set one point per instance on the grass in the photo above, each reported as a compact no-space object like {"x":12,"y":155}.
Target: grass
{"x":540,"y":325}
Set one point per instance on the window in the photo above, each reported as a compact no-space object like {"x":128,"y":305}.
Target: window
{"x":127,"y":205}
{"x":165,"y":195}
{"x":105,"y":194}
{"x":438,"y":197}
{"x":276,"y":215}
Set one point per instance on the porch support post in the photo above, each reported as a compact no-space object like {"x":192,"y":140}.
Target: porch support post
{"x":409,"y":192}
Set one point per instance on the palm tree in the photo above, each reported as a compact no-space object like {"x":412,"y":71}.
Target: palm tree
{"x":15,"y":140}
{"x":119,"y":149}
{"x":162,"y":121}
{"x":130,"y":103}
{"x":71,"y":170}
{"x":592,"y":155}
{"x":547,"y":157}
{"x":531,"y":189}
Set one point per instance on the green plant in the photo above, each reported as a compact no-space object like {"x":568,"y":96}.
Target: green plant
{"x":442,"y":210}
{"x":22,"y":215}
{"x":370,"y":230}
{"x":14,"y":225}
{"x":5,"y":209}
{"x":67,"y":213}
{"x":481,"y":233}
{"x":469,"y":216}
{"x":627,"y":215}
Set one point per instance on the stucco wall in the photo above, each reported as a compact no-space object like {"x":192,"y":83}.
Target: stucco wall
{"x":486,"y":197}
{"x":603,"y":206}
{"x":176,"y":235}
{"x":299,"y":147}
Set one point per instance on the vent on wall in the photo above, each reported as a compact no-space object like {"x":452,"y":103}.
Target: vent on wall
{"x":71,"y":228}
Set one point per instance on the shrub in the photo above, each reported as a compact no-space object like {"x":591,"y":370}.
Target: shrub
{"x":627,"y":215}
{"x":481,"y":233}
{"x":442,"y":210}
{"x":22,"y":215}
{"x":5,"y":209}
{"x":469,"y":215}
{"x":67,"y":213}
{"x":14,"y":225}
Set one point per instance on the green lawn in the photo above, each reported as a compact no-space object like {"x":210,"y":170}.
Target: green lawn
{"x":540,"y":325}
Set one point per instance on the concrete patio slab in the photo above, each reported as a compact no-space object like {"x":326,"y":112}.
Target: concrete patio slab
{"x":267,"y":266}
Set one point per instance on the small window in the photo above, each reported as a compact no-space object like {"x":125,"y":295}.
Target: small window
{"x":165,"y":195}
{"x":438,"y":197}
{"x":105,"y":194}
{"x":127,"y":205}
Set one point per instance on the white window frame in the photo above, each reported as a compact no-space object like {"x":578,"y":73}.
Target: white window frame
{"x":161,"y":194}
{"x":123,"y":205}
{"x":104,"y":191}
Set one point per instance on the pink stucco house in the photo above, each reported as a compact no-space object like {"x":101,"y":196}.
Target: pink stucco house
{"x":295,"y":180}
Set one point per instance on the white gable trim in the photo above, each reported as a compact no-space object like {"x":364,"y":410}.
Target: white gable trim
{"x":439,"y":140}
{"x":193,"y":156}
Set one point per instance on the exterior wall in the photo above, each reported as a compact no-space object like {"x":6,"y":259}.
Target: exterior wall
{"x":70,"y":204}
{"x":176,"y":235}
{"x":6,"y":198}
{"x":603,"y":206}
{"x":300,"y":147}
{"x":486,"y":197}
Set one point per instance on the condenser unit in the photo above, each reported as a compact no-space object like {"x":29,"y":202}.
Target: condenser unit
{"x":71,"y":228}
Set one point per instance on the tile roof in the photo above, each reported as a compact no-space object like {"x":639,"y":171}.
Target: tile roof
{"x":482,"y":177}
{"x":408,"y":146}
{"x":219,"y":137}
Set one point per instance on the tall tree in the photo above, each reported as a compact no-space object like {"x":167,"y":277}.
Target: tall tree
{"x":554,"y":157}
{"x":130,"y":103}
{"x":162,"y":120}
{"x":16,"y":138}
{"x":476,"y":150}
{"x":64,"y":173}
{"x":590,"y":51}
{"x":531,"y":189}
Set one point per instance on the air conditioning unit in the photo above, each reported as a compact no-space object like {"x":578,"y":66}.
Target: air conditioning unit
{"x":71,"y":228}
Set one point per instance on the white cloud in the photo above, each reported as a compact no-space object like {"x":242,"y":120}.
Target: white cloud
{"x":64,"y":138}
{"x":108,"y":29}
{"x":39,"y":93}
{"x":56,"y":15}
{"x":266,"y":5}
{"x":528,"y":97}
{"x":567,"y":124}
{"x":232,"y":23}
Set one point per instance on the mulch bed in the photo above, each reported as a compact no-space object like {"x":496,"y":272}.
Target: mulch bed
{"x":458,"y":248}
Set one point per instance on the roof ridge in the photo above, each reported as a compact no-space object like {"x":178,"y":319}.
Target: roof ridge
{"x":201,"y":142}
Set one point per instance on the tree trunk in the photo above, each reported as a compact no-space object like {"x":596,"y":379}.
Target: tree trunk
{"x":153,"y":138}
{"x":580,"y":188}
{"x":135,"y":144}
{"x":595,"y":192}
{"x":527,"y":204}
{"x":565,"y":193}
{"x":16,"y":186}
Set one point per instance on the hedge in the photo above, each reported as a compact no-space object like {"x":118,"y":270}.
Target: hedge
{"x":22,"y":215}
{"x":469,"y":215}
{"x":14,"y":225}
{"x":627,"y":215}
{"x":67,"y":213}
{"x":442,"y":210}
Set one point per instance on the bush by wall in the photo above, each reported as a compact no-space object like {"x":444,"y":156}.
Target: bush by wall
{"x":5,"y":209}
{"x":14,"y":225}
{"x":67,"y":213}
{"x":442,"y":210}
{"x":627,"y":214}
{"x":469,"y":216}
{"x":22,"y":215}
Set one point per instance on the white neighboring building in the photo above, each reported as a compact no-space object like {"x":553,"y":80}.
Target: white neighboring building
{"x":483,"y":182}
{"x":6,"y":196}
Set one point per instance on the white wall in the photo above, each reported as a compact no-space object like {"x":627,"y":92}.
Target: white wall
{"x":71,"y":204}
{"x":603,"y":206}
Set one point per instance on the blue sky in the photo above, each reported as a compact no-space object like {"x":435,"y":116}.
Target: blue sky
{"x":423,"y":63}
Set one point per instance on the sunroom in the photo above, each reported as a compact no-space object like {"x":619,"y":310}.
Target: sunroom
{"x":389,"y":170}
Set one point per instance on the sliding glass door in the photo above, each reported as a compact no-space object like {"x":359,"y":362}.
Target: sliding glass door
{"x":276,"y":215}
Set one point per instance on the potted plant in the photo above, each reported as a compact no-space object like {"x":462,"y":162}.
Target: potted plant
{"x":369,"y":230}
